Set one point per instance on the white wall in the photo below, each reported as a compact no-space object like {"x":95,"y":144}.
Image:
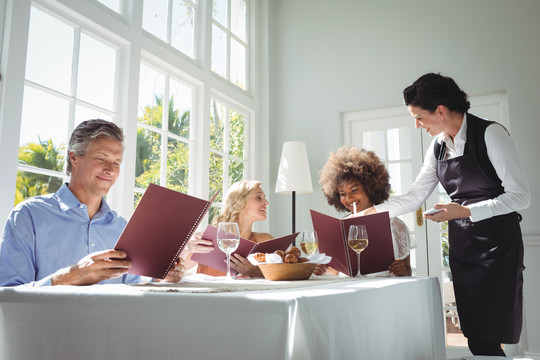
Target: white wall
{"x":343,"y":55}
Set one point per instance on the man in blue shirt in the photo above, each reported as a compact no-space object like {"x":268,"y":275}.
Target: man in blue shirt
{"x":66,"y":238}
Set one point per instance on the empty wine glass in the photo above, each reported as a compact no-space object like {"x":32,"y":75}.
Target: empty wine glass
{"x":358,"y":241}
{"x":309,"y":242}
{"x":228,"y":239}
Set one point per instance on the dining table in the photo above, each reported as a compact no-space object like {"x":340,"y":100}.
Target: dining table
{"x":204,"y":317}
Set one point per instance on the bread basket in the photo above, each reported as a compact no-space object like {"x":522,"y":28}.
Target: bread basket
{"x":283,"y":272}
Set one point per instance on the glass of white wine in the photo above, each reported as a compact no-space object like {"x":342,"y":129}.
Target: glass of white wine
{"x":358,"y":241}
{"x":228,"y":239}
{"x":309,"y":243}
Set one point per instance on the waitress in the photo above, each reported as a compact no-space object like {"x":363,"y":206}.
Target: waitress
{"x":478,"y":165}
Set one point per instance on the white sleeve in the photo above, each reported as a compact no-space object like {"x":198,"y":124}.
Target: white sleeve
{"x":504,"y":156}
{"x":423,"y":186}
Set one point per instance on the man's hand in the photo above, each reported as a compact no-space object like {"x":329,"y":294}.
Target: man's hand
{"x":93,"y":268}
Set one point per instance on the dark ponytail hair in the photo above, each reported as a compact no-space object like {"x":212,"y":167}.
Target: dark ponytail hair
{"x":432,"y":90}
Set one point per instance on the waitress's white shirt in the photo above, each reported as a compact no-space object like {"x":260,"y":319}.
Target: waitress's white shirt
{"x":502,"y":153}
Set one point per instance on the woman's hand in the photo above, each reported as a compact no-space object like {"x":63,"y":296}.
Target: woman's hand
{"x":450,"y":211}
{"x":320,"y":269}
{"x":244,"y":267}
{"x":176,"y":273}
{"x":196,"y":245}
{"x":400,"y":267}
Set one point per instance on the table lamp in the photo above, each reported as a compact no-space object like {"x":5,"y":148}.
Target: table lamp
{"x":294,"y":175}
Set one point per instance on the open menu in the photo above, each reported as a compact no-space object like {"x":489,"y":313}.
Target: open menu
{"x":159,"y":229}
{"x":216,"y":259}
{"x":333,"y":233}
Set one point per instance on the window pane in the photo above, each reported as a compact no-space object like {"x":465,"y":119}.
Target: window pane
{"x":374,"y":141}
{"x":219,"y":51}
{"x":399,"y":144}
{"x":236,"y":171}
{"x":31,"y":184}
{"x":50,"y":52}
{"x":183,"y":25}
{"x":214,"y":211}
{"x":216,"y":176}
{"x":401,"y":177}
{"x":96,"y":80}
{"x":46,"y":125}
{"x":111,"y":4}
{"x":238,"y":18}
{"x":219,"y":11}
{"x":148,"y":158}
{"x":238,"y":64}
{"x":217,"y":130}
{"x":151,"y":96}
{"x":180,"y":104}
{"x":236,"y":134}
{"x":83,"y":113}
{"x":177,"y":166}
{"x":155,"y":18}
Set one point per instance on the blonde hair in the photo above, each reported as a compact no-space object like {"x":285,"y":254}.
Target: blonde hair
{"x":236,"y":201}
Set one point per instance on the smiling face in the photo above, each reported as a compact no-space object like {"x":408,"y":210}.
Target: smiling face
{"x":432,"y":122}
{"x":256,"y":205}
{"x":351,"y":192}
{"x":96,"y":171}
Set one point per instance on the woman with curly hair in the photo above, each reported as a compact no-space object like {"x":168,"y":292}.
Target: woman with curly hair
{"x":244,"y":203}
{"x":357,"y":179}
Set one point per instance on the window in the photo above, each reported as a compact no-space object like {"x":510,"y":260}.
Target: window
{"x":184,"y":129}
{"x":229,"y":41}
{"x":172,"y":22}
{"x":115,"y":5}
{"x":227,"y":148}
{"x":70,"y":77}
{"x":163,"y":132}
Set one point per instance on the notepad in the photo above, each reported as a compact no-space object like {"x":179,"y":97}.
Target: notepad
{"x":333,"y":233}
{"x":160,"y":227}
{"x":216,"y":258}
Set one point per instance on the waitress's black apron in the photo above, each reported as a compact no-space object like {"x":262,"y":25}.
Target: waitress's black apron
{"x":486,"y":257}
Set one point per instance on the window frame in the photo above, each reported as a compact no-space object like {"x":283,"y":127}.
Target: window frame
{"x":124,"y":31}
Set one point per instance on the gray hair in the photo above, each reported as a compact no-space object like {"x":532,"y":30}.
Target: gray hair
{"x":87,"y":132}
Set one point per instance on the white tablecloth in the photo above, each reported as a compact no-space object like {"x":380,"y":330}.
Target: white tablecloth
{"x":380,"y":318}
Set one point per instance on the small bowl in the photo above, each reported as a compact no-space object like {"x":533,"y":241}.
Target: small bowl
{"x":295,"y":271}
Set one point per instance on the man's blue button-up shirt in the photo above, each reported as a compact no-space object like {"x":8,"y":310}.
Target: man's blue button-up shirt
{"x":50,"y":232}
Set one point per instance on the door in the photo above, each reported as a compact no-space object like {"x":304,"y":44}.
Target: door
{"x":390,"y":132}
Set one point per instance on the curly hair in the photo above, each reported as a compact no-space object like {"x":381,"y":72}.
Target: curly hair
{"x":236,"y":201}
{"x":432,"y":90}
{"x":350,"y":163}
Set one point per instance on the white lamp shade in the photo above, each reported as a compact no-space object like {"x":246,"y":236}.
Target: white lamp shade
{"x":294,"y":174}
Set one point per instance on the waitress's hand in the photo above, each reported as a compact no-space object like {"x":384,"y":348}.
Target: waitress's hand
{"x":450,"y":211}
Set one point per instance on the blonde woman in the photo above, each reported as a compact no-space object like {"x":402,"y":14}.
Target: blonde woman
{"x":244,"y":203}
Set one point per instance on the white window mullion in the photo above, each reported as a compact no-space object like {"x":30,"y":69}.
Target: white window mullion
{"x":74,"y":79}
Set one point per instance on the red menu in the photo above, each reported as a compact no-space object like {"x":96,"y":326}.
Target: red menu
{"x":217,"y":259}
{"x":159,"y":229}
{"x":332,"y":234}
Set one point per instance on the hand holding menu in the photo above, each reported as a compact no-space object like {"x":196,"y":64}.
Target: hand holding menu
{"x":159,"y":229}
{"x":216,"y":258}
{"x":332,"y":234}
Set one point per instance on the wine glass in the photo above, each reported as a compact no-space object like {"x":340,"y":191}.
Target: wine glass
{"x":228,"y":239}
{"x":309,"y":243}
{"x":358,"y":241}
